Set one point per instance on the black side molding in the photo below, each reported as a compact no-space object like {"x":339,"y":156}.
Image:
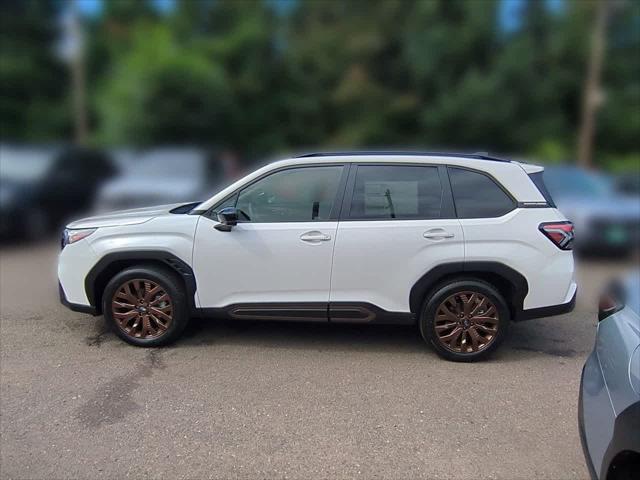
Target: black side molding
{"x":302,"y":312}
{"x":336,"y":312}
{"x":363,"y":312}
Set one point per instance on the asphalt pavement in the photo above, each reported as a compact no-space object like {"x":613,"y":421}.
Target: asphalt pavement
{"x":280,"y":400}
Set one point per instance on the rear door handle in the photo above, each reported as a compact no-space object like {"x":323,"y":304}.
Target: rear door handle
{"x":437,"y":234}
{"x":315,"y":237}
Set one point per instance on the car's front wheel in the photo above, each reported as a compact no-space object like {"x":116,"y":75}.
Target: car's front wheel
{"x":146,"y":306}
{"x":464,"y":320}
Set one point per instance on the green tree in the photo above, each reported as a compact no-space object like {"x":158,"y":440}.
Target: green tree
{"x":163,"y":92}
{"x":347,"y":83}
{"x":619,"y":121}
{"x":33,"y":82}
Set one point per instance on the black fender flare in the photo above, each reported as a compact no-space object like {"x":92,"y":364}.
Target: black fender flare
{"x":508,"y":276}
{"x":111,"y":263}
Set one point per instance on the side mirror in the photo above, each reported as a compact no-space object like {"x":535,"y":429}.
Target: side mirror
{"x":228,"y":217}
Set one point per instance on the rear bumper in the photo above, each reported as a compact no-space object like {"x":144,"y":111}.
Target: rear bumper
{"x":549,"y":311}
{"x":76,"y":307}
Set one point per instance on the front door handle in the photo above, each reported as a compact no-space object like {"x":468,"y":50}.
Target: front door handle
{"x":315,"y":237}
{"x":437,"y":234}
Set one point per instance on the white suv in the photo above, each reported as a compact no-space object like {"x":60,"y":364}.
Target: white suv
{"x":458,"y":244}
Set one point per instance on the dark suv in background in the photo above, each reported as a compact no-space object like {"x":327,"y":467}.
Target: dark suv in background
{"x":41,"y":188}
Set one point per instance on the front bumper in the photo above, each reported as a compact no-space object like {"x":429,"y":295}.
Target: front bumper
{"x":74,"y":263}
{"x":76,"y":307}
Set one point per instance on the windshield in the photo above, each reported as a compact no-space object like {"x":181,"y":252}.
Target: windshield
{"x":575,"y":182}
{"x":24,"y":165}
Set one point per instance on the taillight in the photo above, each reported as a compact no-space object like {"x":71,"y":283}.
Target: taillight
{"x":611,"y":301}
{"x":560,"y":233}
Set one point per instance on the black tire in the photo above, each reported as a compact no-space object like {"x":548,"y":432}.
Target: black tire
{"x":463,"y":286}
{"x":169,"y":284}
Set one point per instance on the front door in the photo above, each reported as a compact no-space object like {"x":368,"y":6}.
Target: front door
{"x":276,"y":263}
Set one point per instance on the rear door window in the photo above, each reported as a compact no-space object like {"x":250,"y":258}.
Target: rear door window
{"x":477,"y":195}
{"x":383,"y":192}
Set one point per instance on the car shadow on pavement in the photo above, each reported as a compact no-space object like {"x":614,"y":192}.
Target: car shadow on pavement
{"x":561,"y":337}
{"x":303,"y":335}
{"x":526,"y":339}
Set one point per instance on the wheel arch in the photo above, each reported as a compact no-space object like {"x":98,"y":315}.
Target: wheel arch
{"x":510,"y":283}
{"x":113,"y":263}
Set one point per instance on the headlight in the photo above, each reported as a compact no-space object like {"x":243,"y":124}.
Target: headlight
{"x":72,"y":236}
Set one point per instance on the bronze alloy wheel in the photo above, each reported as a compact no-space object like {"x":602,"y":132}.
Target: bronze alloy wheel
{"x":466,"y":322}
{"x":142,"y":309}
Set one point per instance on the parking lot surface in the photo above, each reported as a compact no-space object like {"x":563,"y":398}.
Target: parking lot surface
{"x":279,"y":400}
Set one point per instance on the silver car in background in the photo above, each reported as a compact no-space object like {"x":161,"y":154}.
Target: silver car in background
{"x":162,"y":176}
{"x":609,"y":405}
{"x":607,"y":220}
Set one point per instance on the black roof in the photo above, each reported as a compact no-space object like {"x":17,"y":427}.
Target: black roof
{"x":477,"y":155}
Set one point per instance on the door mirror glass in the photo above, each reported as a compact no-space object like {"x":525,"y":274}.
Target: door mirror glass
{"x":228,"y":217}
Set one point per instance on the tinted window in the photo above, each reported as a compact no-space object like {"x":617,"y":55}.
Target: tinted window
{"x":403,"y":192}
{"x":538,"y":180}
{"x":477,"y":196}
{"x":295,"y":195}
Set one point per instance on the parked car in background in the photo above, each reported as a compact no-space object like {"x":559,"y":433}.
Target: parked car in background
{"x":41,"y":188}
{"x":628,"y":184}
{"x":459,"y":245}
{"x":609,"y":404}
{"x":165,"y":175}
{"x":606,"y":220}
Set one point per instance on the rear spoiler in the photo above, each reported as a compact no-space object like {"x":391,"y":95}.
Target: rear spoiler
{"x":529,"y":168}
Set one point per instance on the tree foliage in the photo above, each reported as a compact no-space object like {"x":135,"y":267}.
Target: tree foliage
{"x":261,"y":76}
{"x":33,"y":99}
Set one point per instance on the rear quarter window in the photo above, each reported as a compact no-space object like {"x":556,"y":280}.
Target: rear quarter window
{"x":476,"y":195}
{"x":538,"y":180}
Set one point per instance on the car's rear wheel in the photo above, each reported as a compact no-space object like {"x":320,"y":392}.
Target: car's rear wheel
{"x":464,"y":320}
{"x":146,"y":306}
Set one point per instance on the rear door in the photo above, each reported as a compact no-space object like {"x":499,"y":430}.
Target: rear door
{"x":397,"y":222}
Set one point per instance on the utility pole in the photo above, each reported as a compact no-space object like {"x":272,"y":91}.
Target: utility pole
{"x":78,"y":82}
{"x":593,"y":95}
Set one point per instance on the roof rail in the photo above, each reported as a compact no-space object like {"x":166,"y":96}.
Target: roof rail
{"x":477,"y":156}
